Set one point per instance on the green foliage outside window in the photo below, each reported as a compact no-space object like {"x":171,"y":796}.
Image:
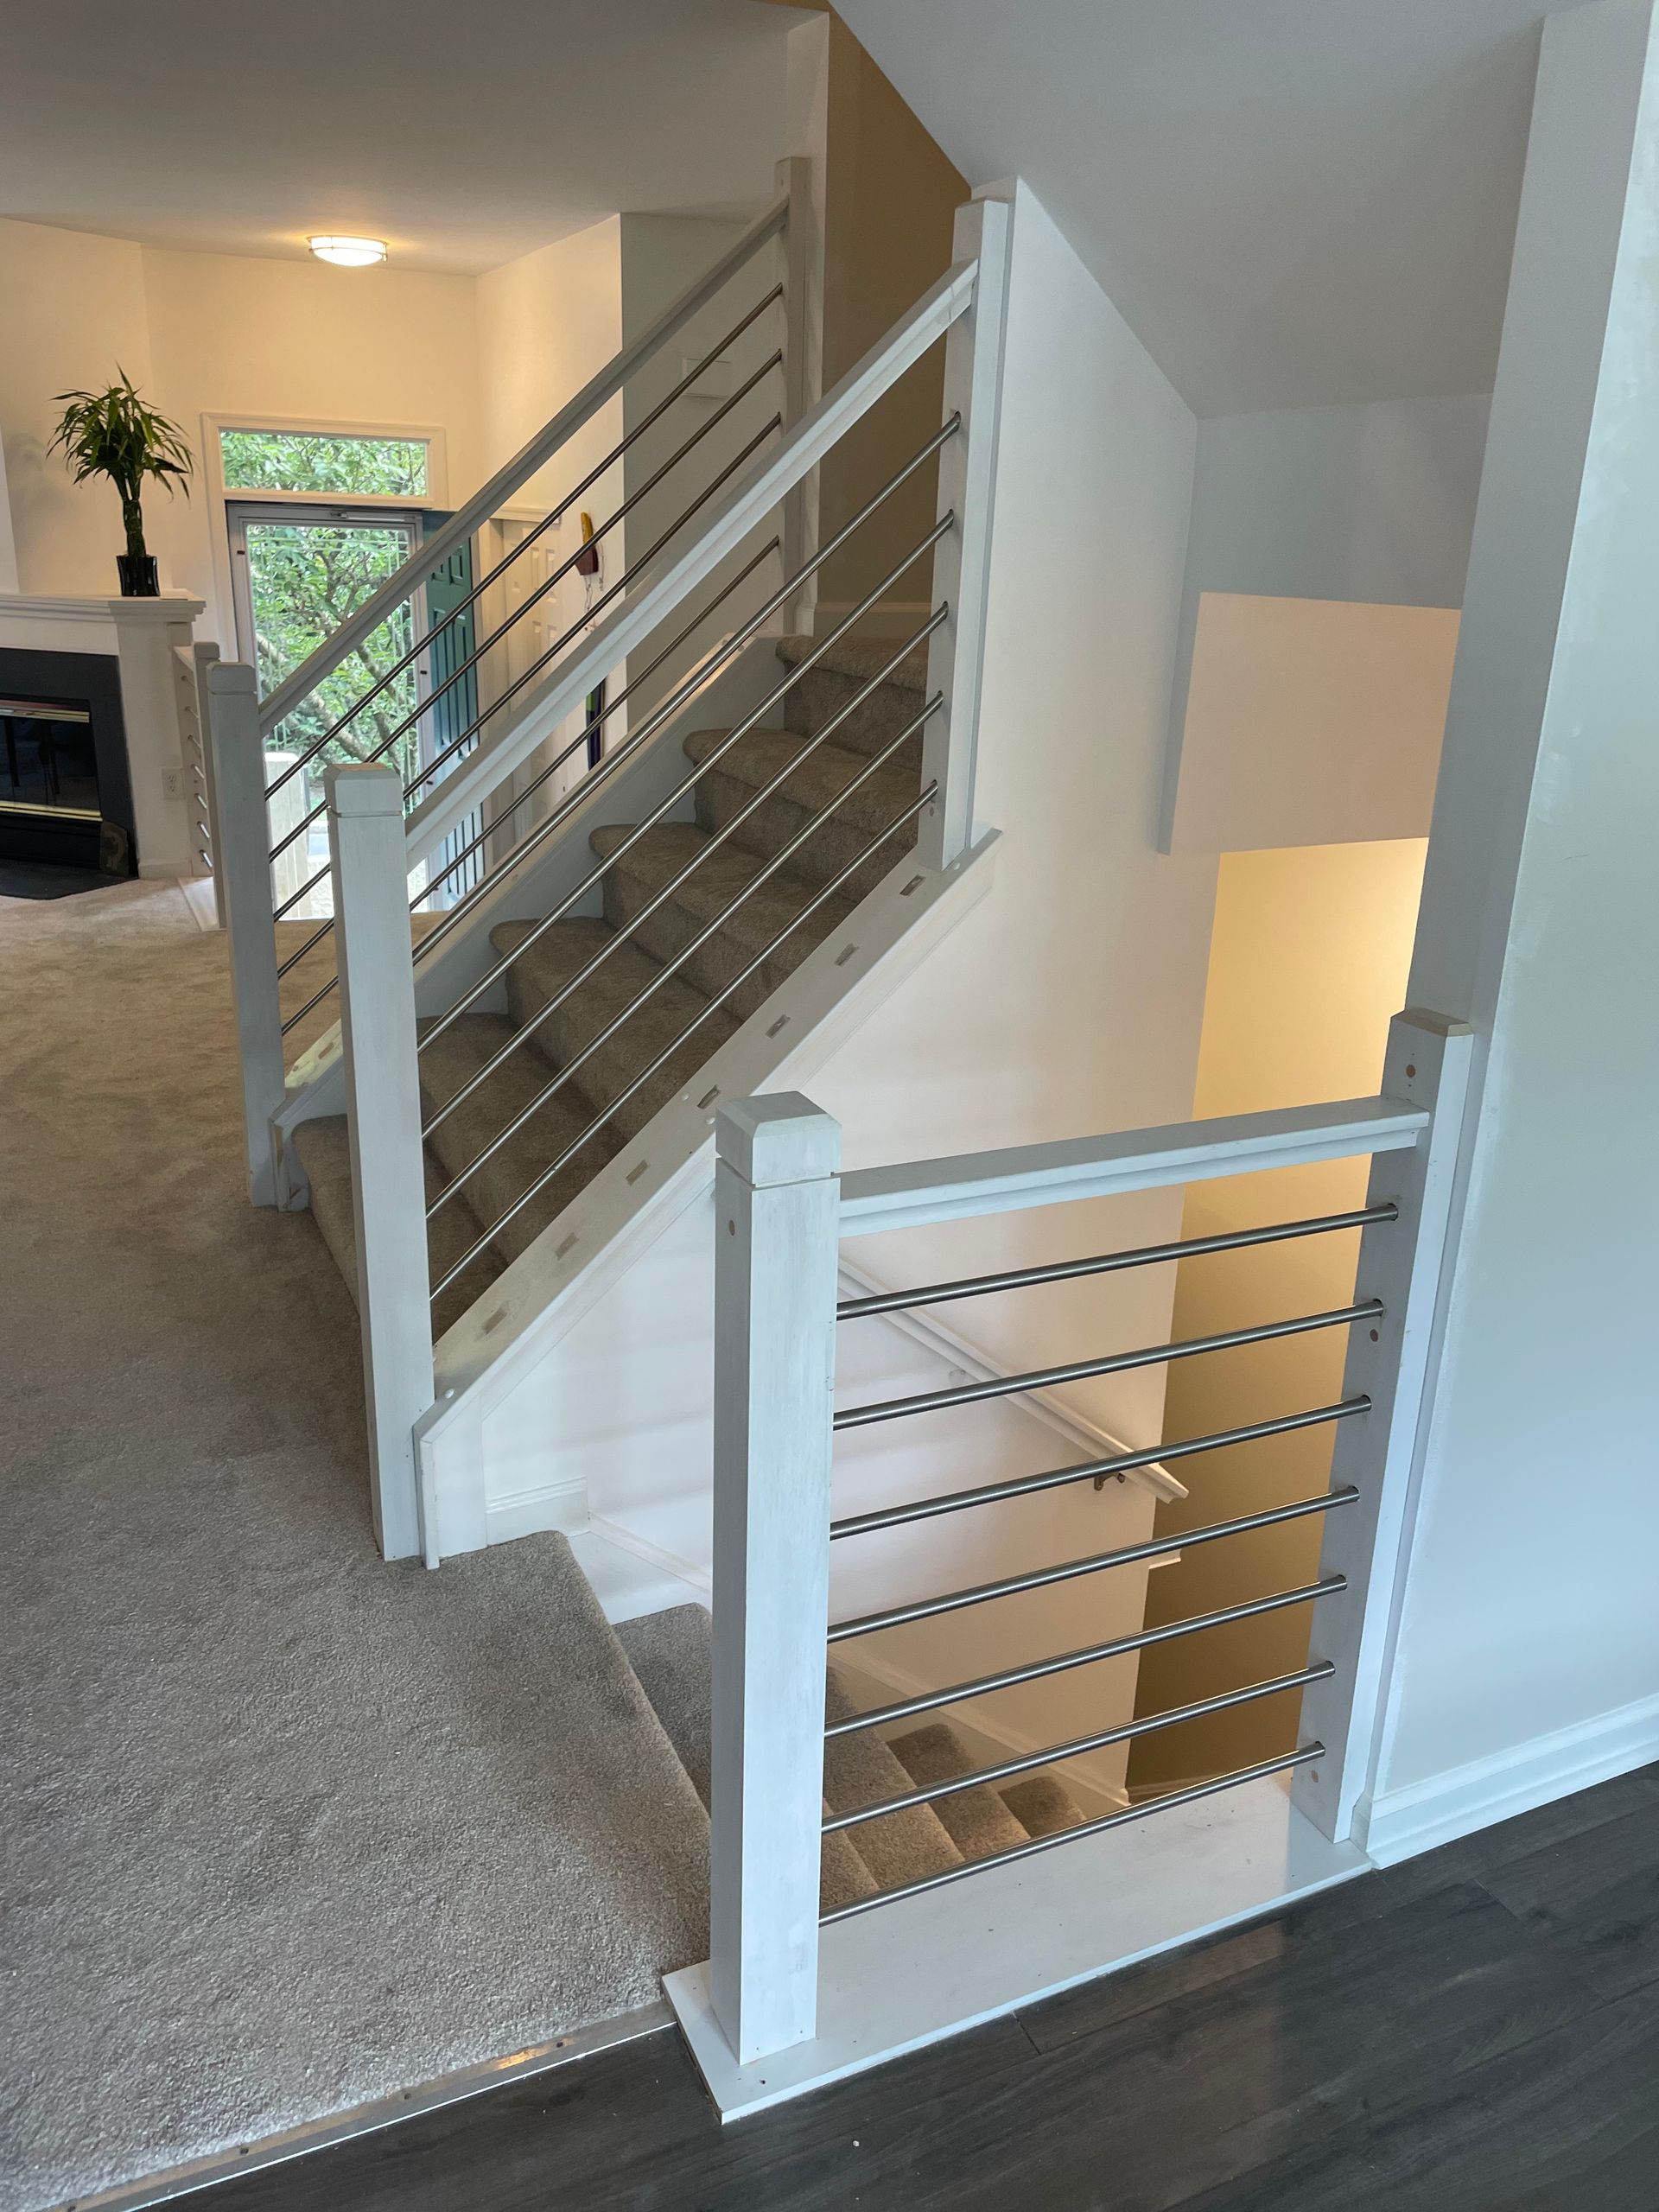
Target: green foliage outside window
{"x":315,"y":461}
{"x":306,"y":577}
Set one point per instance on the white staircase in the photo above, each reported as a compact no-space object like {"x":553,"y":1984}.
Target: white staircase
{"x":670,"y":849}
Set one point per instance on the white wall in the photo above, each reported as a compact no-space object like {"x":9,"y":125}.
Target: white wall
{"x":661,"y":255}
{"x":547,"y":323}
{"x":208,"y":333}
{"x":1529,"y":1645}
{"x":1369,"y":503}
{"x":74,"y":311}
{"x":1372,"y":505}
{"x":232,"y":335}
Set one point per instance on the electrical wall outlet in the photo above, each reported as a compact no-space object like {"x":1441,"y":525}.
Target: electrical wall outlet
{"x":172,"y":783}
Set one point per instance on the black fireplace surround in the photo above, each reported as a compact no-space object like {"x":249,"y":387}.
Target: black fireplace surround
{"x":66,"y":796}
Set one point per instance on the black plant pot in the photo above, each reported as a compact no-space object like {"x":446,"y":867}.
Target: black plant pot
{"x":138,"y":575}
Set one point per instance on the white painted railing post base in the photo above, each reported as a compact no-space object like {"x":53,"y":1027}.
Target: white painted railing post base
{"x":777,"y":1203}
{"x":383,"y":1104}
{"x":973,"y":390}
{"x":242,"y":864}
{"x":1401,"y":1262}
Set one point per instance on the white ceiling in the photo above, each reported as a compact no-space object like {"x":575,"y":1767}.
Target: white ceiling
{"x":466,"y":134}
{"x":1293,"y":202}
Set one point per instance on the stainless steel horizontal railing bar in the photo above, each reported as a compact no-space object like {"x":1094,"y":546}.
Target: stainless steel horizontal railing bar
{"x":873,"y":845}
{"x":667,"y":970}
{"x":555,"y":577}
{"x":1118,"y":1363}
{"x":752,"y":720}
{"x":1099,"y":1563}
{"x":311,"y":1004}
{"x":530,"y":537}
{"x":1011,"y":1677}
{"x":717,"y":837}
{"x":1190,"y":1795}
{"x":679,"y":698}
{"x":457,"y":913}
{"x":1125,"y":1732}
{"x":459,"y":745}
{"x":544,"y":1013}
{"x":590,"y":615}
{"x":1147,"y":1255}
{"x":730,"y":528}
{"x":553,"y":434}
{"x":1117,"y":1464}
{"x":558,"y":646}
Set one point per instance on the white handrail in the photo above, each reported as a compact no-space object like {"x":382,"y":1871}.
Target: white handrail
{"x":435,"y":549}
{"x":1138,"y":1160}
{"x":673,"y":574}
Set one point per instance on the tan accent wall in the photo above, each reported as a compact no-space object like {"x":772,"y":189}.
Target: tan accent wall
{"x":1308,"y":962}
{"x":890,"y":200}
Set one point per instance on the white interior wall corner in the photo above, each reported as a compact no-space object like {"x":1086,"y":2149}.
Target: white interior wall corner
{"x":1524,"y":1634}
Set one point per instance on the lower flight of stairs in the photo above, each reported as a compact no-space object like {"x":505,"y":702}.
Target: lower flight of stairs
{"x":602,"y":1103}
{"x":670,"y":1655}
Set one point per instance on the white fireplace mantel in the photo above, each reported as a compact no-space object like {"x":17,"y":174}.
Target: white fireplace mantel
{"x":142,"y":634}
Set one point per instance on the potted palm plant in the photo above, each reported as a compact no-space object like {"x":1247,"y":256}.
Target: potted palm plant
{"x":114,"y":433}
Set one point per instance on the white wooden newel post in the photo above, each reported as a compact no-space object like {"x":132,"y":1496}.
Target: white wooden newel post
{"x":1401,"y":1263}
{"x":242,"y":863}
{"x":383,"y":1104}
{"x":777,"y":1207}
{"x":973,"y":389}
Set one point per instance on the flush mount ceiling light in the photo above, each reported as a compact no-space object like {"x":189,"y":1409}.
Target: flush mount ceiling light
{"x":349,"y":253}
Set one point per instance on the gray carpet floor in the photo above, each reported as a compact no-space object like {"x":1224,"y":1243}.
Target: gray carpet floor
{"x":282,"y":1827}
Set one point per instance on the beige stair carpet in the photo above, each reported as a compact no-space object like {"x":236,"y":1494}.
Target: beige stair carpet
{"x":282,"y":1827}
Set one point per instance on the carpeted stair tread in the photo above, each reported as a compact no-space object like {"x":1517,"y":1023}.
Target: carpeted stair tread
{"x":834,"y":693}
{"x":860,"y":1769}
{"x":860,"y":658}
{"x":324,"y":1150}
{"x":1042,"y":1804}
{"x":822,"y":776}
{"x":561,"y":953}
{"x":448,"y":1060}
{"x":670,"y":1652}
{"x":723,"y":876}
{"x":977,"y":1821}
{"x":839,"y":841}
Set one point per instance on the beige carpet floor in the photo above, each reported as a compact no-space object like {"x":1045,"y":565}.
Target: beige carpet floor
{"x":282,"y":1827}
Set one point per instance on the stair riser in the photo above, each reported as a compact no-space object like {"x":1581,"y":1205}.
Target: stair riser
{"x":833,"y":845}
{"x":667,"y":933}
{"x":820,"y":694}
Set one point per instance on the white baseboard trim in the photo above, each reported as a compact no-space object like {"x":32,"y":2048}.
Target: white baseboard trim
{"x":1403,"y":1822}
{"x":558,"y":1505}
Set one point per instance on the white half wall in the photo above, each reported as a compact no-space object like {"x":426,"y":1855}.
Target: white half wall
{"x":1529,"y":1619}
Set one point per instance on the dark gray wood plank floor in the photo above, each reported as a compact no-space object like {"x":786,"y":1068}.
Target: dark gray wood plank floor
{"x":1478,"y":2028}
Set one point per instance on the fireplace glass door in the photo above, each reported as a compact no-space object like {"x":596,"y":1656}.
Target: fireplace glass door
{"x":48,"y":781}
